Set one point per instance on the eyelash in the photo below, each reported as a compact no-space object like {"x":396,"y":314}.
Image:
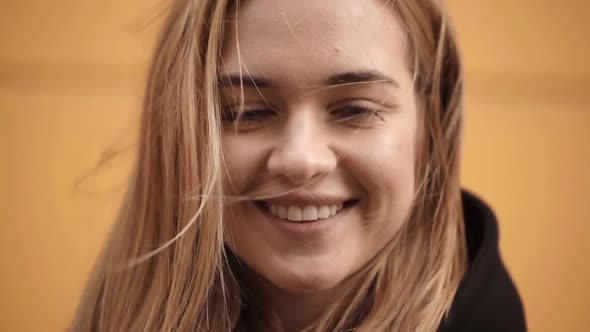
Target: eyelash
{"x":360,"y":113}
{"x":231,"y":116}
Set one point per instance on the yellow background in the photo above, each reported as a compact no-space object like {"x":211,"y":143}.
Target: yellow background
{"x":71,"y":77}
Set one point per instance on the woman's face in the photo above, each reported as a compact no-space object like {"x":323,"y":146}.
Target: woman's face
{"x":328,"y":137}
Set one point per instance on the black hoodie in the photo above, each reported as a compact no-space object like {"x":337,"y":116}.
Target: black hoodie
{"x":487,"y":300}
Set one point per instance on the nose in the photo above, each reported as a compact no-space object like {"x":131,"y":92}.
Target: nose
{"x":302,"y":151}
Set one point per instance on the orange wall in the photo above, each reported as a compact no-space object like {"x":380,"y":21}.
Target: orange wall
{"x":70,"y":83}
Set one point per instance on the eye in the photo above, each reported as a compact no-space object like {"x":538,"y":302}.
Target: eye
{"x":356,"y":113}
{"x":248,"y":117}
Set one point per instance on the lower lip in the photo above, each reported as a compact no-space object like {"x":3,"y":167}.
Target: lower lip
{"x":305,"y":228}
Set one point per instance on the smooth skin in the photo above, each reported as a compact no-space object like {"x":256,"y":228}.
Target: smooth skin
{"x":334,"y":113}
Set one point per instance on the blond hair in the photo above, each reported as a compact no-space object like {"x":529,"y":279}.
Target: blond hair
{"x":165,"y":266}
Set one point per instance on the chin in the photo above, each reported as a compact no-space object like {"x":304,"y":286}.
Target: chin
{"x":304,"y":280}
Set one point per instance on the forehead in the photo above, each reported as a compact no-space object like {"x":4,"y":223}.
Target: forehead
{"x":303,"y":41}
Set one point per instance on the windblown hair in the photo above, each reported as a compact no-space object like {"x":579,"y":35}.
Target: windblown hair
{"x":165,"y":266}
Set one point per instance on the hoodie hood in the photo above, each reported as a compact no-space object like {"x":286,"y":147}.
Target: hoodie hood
{"x":487,"y":299}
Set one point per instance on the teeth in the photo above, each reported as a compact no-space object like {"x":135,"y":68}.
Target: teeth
{"x":294,"y":213}
{"x":306,"y":213}
{"x":333,"y":210}
{"x":310,"y":213}
{"x":282,"y":212}
{"x":324,"y":212}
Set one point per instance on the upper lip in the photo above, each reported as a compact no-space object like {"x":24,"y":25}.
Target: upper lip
{"x":306,"y":199}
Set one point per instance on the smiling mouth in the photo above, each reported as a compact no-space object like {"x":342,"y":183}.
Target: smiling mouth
{"x":308,"y":213}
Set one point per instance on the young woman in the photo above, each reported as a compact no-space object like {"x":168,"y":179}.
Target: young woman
{"x":298,"y":170}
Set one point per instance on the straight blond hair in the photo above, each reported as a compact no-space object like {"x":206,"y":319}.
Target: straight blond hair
{"x":165,"y":266}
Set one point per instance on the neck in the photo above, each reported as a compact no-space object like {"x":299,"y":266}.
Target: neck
{"x":298,"y":311}
{"x":294,"y":311}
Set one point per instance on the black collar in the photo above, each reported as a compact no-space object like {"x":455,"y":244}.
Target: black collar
{"x":487,"y":299}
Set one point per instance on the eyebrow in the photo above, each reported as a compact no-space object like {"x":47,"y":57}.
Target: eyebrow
{"x":346,"y":78}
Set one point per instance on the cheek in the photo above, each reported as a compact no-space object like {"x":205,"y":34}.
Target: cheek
{"x":386,"y":172}
{"x":239,"y":166}
{"x":243,"y":159}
